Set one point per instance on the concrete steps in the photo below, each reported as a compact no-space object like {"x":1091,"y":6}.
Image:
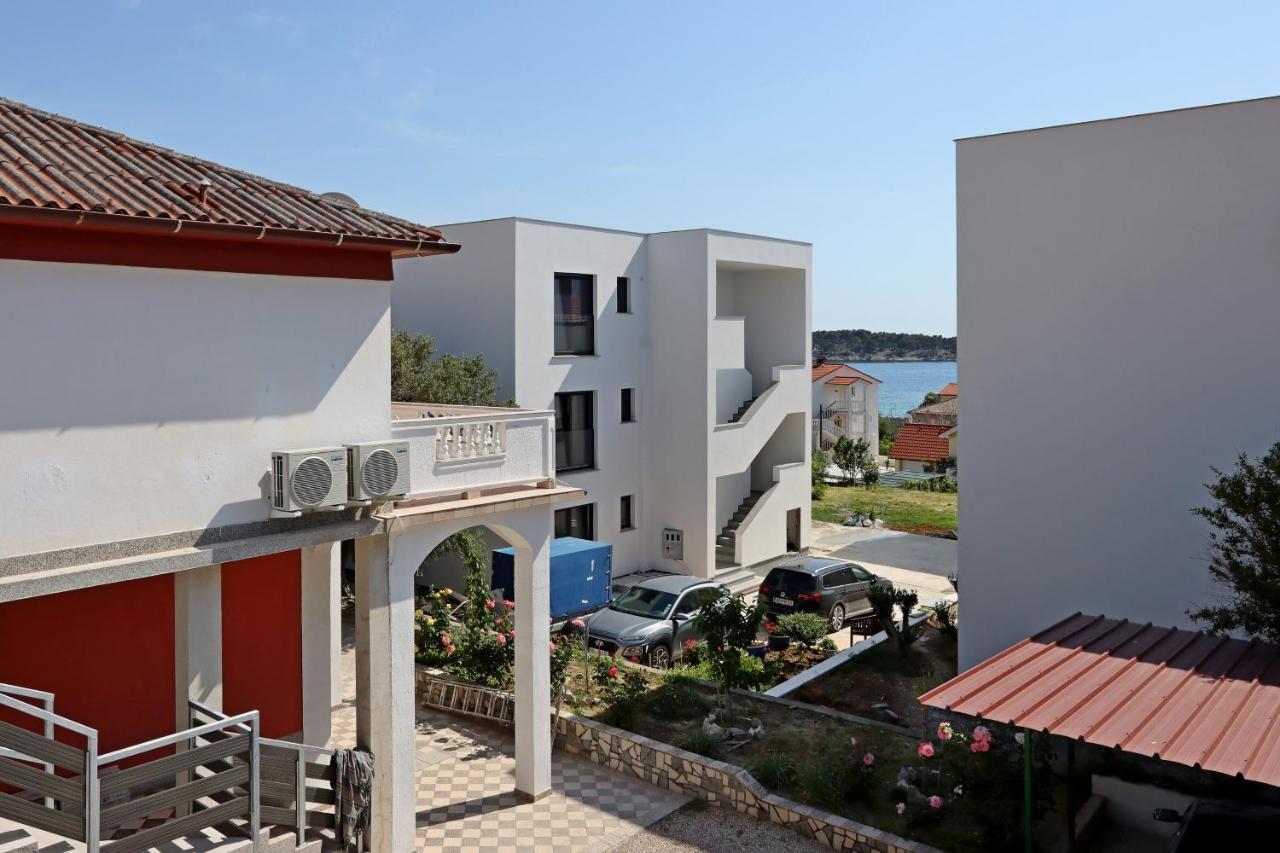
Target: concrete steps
{"x":740,"y":580}
{"x":742,"y":410}
{"x":15,"y":839}
{"x":726,"y":541}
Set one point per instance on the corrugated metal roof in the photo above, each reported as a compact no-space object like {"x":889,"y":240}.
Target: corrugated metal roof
{"x":49,"y":161}
{"x":1180,"y":696}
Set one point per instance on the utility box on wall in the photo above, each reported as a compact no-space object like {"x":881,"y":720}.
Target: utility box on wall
{"x":672,"y":544}
{"x":581,"y":575}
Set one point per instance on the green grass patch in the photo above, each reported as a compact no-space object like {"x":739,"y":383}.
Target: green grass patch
{"x":901,"y":509}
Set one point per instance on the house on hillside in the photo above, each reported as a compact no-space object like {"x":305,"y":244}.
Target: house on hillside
{"x":675,"y":364}
{"x":846,"y":402}
{"x":927,"y":442}
{"x":167,"y":582}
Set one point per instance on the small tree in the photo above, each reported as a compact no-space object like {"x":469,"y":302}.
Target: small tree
{"x":845,"y":456}
{"x":730,"y":625}
{"x":1245,"y":548}
{"x":883,"y":600}
{"x":450,"y":379}
{"x":817,"y":471}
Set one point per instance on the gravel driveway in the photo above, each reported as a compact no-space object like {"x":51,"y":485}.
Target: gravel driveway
{"x":698,"y":827}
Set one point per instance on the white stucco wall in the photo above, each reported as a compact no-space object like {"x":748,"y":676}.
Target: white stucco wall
{"x":1118,"y":308}
{"x":689,"y":370}
{"x":138,"y":402}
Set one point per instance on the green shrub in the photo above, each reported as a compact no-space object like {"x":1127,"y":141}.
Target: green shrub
{"x":805,"y":628}
{"x":704,"y":744}
{"x":678,"y":700}
{"x":774,"y":770}
{"x":821,"y":783}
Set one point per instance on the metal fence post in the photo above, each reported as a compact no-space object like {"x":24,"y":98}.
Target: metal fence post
{"x":255,"y":817}
{"x":300,"y":796}
{"x":92,"y":797}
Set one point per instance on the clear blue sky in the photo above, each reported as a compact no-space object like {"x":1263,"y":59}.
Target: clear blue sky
{"x":831,"y":123}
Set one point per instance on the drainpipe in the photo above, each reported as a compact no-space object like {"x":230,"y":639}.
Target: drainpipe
{"x":1026,"y":791}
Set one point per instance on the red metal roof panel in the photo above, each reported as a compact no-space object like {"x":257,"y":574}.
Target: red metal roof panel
{"x":1184,"y":697}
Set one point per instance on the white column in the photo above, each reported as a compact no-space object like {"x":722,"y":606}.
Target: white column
{"x":335,"y":636}
{"x":533,"y":664}
{"x":197,"y":639}
{"x":385,"y":690}
{"x":319,"y":631}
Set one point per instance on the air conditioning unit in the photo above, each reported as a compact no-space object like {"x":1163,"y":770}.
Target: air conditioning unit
{"x":378,"y":470}
{"x":308,"y":479}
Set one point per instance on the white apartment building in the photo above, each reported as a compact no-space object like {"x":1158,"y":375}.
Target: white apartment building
{"x":1118,"y":316}
{"x":846,"y":403}
{"x":678,"y":367}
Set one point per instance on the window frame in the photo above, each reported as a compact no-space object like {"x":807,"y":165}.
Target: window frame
{"x":624,"y":289}
{"x":630,"y":516}
{"x":591,"y":414}
{"x":588,"y":508}
{"x":590,"y":281}
{"x":627,"y":406}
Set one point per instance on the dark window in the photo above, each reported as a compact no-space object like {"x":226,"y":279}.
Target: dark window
{"x":576,"y":521}
{"x":627,"y":520}
{"x":840,"y":577}
{"x":575,"y":315}
{"x":781,"y":580}
{"x":575,"y":431}
{"x":628,"y":405}
{"x":860,"y":574}
{"x":624,"y":295}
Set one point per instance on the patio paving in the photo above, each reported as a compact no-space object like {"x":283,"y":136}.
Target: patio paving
{"x":466,"y":790}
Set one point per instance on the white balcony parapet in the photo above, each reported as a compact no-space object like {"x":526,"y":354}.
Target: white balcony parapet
{"x":463,"y":448}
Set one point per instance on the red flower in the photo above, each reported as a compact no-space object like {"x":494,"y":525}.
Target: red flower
{"x":488,"y":602}
{"x":502,"y":639}
{"x":613,"y":672}
{"x":510,"y":605}
{"x":635,"y":659}
{"x":688,"y":644}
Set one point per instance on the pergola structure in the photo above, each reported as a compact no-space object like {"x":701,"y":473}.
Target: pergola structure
{"x":1180,"y":696}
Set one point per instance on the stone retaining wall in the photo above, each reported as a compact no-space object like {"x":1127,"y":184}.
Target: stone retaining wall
{"x":657,"y":763}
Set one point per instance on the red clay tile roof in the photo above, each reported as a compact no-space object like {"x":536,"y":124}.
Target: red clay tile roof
{"x":844,"y":380}
{"x":1180,"y":696}
{"x":822,"y":370}
{"x":921,"y":443}
{"x":54,"y":163}
{"x":950,"y":389}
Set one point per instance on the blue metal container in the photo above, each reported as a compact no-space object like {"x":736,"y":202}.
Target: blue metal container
{"x":581,"y":575}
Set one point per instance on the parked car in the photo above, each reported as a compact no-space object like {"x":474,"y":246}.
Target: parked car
{"x":1208,"y":826}
{"x":835,"y":589}
{"x":652,"y":618}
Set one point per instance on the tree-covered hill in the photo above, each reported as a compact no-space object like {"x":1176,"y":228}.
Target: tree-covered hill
{"x":865,"y":345}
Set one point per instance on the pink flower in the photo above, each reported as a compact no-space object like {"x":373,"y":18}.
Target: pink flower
{"x":512,"y":633}
{"x":551,"y":620}
{"x":935,"y":802}
{"x":552,"y":646}
{"x":901,"y":808}
{"x":980,"y":746}
{"x":868,"y":759}
{"x":688,"y":644}
{"x":926,"y":750}
{"x":502,"y":639}
{"x":510,"y":605}
{"x":613,"y":672}
{"x":444,"y":639}
{"x":488,"y":602}
{"x":944,"y":732}
{"x":981,"y":733}
{"x":578,"y":623}
{"x":635,"y":659}
{"x":450,"y":650}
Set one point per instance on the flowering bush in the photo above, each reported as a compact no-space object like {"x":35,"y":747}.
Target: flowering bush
{"x":431,"y":621}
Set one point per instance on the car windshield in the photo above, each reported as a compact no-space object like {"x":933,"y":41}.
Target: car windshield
{"x":639,"y":601}
{"x":781,"y":580}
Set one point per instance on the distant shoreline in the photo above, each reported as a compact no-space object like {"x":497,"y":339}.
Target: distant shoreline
{"x":863,"y":360}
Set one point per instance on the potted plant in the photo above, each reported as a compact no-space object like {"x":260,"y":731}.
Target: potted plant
{"x":779,"y":641}
{"x":757,"y":648}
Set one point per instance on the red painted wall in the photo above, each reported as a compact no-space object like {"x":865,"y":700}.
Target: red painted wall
{"x":262,"y":640}
{"x":106,"y":651}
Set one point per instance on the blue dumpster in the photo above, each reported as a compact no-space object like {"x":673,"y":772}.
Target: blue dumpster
{"x":581,"y":575}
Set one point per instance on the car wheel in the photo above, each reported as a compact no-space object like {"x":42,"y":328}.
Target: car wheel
{"x":837,"y":617}
{"x":660,"y":656}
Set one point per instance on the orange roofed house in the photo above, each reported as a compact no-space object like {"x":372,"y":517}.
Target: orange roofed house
{"x":846,"y":403}
{"x":927,"y":443}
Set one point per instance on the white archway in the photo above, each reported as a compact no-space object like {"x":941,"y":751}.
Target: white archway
{"x":385,"y":702}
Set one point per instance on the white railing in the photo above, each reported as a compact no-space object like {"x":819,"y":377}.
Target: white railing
{"x":471,"y":440}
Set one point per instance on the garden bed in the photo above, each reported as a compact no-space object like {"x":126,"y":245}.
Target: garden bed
{"x":882,"y":676}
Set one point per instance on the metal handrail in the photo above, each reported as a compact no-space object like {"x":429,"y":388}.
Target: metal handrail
{"x":250,"y":717}
{"x":46,"y":698}
{"x":299,"y":780}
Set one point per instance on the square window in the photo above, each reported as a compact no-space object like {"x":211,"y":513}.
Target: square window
{"x":576,"y":521}
{"x":624,"y":295}
{"x":626,"y":513}
{"x":628,"y":405}
{"x":575,"y":316}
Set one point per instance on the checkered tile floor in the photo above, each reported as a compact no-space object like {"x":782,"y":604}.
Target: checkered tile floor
{"x":466,"y":791}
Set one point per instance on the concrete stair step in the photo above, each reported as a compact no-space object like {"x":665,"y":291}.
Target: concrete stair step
{"x":15,"y":839}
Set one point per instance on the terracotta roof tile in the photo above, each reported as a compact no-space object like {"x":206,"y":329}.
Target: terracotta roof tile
{"x":1181,"y":696}
{"x":950,"y":389}
{"x":822,"y":370}
{"x":921,"y":443}
{"x":52,"y":162}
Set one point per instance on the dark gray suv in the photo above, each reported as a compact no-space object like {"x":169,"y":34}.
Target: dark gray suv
{"x":834,"y":589}
{"x":652,"y":618}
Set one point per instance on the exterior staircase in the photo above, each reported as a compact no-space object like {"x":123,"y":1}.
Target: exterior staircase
{"x":742,"y":410}
{"x":727,"y":538}
{"x":230,"y":838}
